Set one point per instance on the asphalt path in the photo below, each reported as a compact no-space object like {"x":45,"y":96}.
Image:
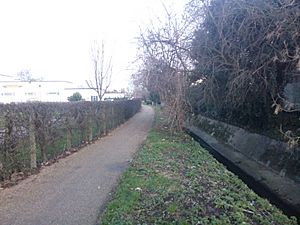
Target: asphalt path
{"x":75,"y":189}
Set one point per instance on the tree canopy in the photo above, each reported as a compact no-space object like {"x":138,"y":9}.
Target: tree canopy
{"x":75,"y":97}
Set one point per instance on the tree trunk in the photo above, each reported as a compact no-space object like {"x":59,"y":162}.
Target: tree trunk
{"x":32,"y":143}
{"x":90,"y":130}
{"x":44,"y":154}
{"x":68,"y":139}
{"x":104,"y":124}
{"x":113,"y":121}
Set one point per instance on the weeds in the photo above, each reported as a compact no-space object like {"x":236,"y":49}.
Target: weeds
{"x":173,"y":180}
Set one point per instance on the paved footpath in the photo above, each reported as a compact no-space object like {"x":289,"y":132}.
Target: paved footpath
{"x":74,"y":190}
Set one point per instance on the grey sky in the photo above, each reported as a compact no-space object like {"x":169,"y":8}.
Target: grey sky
{"x":52,"y":38}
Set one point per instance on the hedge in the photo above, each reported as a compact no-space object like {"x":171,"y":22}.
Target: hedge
{"x":33,"y":133}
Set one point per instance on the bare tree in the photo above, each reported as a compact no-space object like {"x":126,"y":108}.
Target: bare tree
{"x":102,"y":70}
{"x":166,"y":64}
{"x":26,"y":75}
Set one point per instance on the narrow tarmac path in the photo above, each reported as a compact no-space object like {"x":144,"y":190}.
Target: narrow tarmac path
{"x":74,"y":190}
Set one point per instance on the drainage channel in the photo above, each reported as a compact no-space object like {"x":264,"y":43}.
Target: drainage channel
{"x":257,"y":187}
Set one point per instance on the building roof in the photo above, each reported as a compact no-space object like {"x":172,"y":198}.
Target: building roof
{"x":35,"y":81}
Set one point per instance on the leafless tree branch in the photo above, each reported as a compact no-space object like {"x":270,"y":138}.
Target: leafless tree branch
{"x":102,"y":70}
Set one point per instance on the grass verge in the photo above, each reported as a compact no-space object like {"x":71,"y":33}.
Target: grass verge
{"x":173,"y":180}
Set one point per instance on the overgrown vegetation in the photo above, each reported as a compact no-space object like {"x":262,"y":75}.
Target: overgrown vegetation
{"x":33,"y":133}
{"x":172,"y":180}
{"x":245,"y":53}
{"x":229,"y":60}
{"x":165,"y":64}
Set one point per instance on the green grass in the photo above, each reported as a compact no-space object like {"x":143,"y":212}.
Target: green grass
{"x":172,"y":180}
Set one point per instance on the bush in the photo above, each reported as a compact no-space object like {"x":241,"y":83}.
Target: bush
{"x":75,"y":97}
{"x":33,"y":133}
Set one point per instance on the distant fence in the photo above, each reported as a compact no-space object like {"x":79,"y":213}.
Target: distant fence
{"x":32,"y":133}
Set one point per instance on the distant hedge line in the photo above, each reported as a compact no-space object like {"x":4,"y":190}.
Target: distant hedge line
{"x":33,"y":133}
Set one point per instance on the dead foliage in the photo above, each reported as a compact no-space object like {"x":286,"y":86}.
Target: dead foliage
{"x":165,"y":63}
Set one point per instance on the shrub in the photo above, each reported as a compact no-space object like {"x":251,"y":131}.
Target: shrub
{"x":32,"y":133}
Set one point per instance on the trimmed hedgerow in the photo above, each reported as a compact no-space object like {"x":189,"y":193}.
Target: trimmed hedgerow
{"x":33,"y":133}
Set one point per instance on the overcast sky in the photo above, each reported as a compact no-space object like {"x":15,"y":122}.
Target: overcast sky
{"x":52,"y":38}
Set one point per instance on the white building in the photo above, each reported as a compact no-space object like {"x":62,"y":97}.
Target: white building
{"x":46,"y":91}
{"x":91,"y":95}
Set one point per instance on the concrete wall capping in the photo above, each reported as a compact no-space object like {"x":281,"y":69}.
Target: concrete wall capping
{"x":264,"y":150}
{"x":267,"y":161}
